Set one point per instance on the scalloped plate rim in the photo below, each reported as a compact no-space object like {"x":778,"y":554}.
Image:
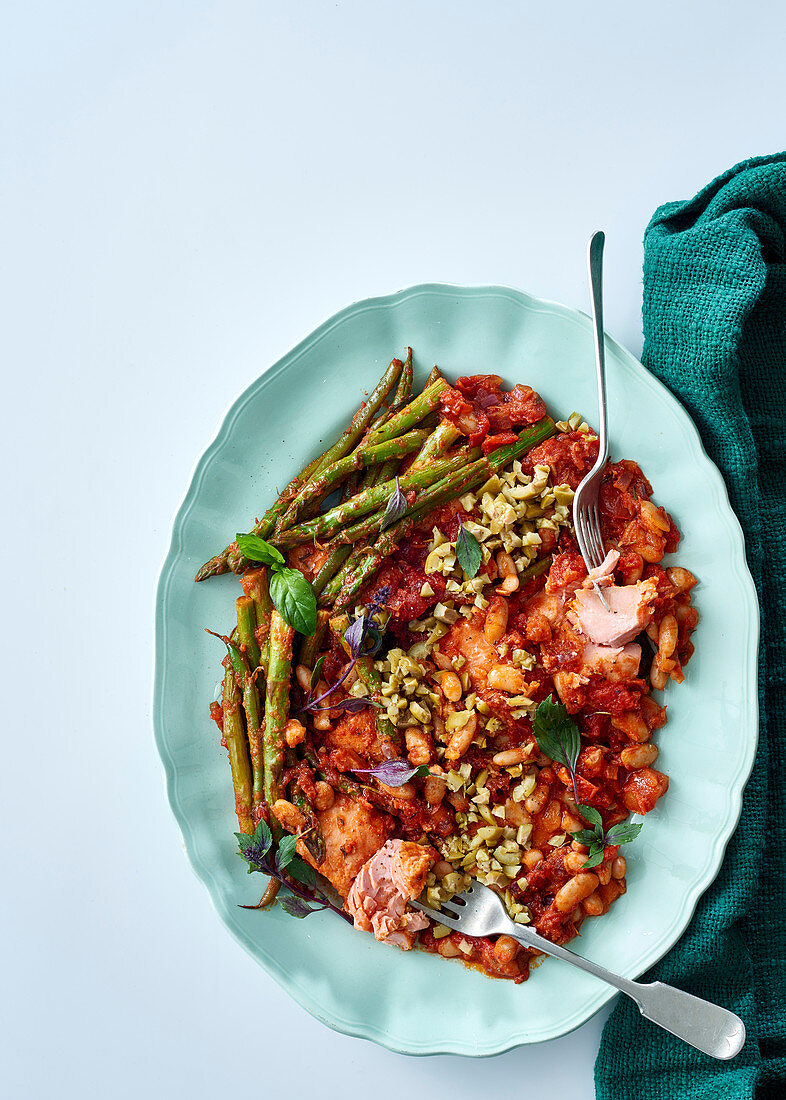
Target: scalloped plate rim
{"x":667,"y":939}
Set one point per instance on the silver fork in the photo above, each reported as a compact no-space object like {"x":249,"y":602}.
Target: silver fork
{"x":586,"y":518}
{"x":478,"y":911}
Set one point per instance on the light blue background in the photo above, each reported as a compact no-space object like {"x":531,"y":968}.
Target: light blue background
{"x":188,"y":188}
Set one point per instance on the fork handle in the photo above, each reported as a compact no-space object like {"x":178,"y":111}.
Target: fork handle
{"x":703,"y":1025}
{"x":595,"y":265}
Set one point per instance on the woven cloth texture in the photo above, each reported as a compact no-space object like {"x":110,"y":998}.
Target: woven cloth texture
{"x":714,"y":315}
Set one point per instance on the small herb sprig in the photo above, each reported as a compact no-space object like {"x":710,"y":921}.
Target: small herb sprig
{"x":597,"y":840}
{"x":558,"y":736}
{"x":292,"y":595}
{"x":311,"y":894}
{"x":363,"y":637}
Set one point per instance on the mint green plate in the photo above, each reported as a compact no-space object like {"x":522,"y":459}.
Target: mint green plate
{"x":413,"y":1002}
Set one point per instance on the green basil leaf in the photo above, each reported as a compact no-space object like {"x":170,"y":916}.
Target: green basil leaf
{"x":595,"y":857}
{"x":586,"y":836}
{"x":591,"y":814}
{"x":622,"y":834}
{"x":468,"y":552}
{"x":556,"y":733}
{"x":294,"y":600}
{"x":288,"y":860}
{"x":302,"y":871}
{"x":317,"y":671}
{"x":287,"y":850}
{"x":256,"y":549}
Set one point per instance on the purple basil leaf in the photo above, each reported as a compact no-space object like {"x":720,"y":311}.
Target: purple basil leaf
{"x":297,"y":908}
{"x":396,"y":507}
{"x":254,"y":849}
{"x":354,"y":635}
{"x":395,"y":773}
{"x":353,"y":704}
{"x":311,"y":705}
{"x":378,"y":601}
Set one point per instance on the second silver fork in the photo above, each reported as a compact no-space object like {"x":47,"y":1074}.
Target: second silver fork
{"x":478,"y":911}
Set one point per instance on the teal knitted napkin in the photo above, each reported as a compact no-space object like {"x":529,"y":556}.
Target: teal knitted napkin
{"x":715,"y":333}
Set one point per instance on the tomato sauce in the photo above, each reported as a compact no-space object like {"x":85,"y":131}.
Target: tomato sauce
{"x":612,"y":715}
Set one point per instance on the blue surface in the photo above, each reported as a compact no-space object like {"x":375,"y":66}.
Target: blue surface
{"x":188,"y":188}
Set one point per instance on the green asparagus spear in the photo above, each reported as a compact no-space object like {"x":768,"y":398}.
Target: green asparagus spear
{"x":361,"y":420}
{"x":239,"y":760}
{"x":251,"y":705}
{"x":535,"y":570}
{"x":380,"y":474}
{"x":276,"y":705}
{"x":412,"y":413}
{"x":230,"y":557}
{"x":255,"y":584}
{"x":244,"y":670}
{"x":402,"y":394}
{"x":441,"y":439}
{"x":364,"y":455}
{"x":333,"y":586}
{"x":404,"y":387}
{"x":365,"y":528}
{"x":312,"y":644}
{"x":374,"y":474}
{"x":369,"y":560}
{"x":361,"y":566}
{"x":370,"y":500}
{"x":246,"y":629}
{"x":338,"y":555}
{"x":352,"y":484}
